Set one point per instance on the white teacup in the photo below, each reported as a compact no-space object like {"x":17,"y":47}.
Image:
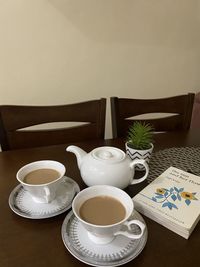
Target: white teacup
{"x":103,"y":234}
{"x":45,"y":192}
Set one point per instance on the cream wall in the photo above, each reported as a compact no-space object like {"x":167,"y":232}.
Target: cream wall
{"x":65,"y":51}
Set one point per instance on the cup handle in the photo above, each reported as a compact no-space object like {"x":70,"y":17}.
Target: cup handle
{"x":47,"y":194}
{"x":143,"y":162}
{"x":128,"y":233}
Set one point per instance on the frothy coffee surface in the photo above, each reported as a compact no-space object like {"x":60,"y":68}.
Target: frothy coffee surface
{"x":41,"y":176}
{"x":102,"y":210}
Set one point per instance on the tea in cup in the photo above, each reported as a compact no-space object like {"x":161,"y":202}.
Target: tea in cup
{"x":41,"y":179}
{"x":104,"y":211}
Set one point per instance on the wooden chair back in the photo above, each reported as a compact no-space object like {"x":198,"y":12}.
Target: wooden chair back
{"x":177,"y":113}
{"x":14,"y":119}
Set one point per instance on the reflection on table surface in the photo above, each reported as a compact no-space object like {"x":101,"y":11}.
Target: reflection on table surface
{"x":38,"y":243}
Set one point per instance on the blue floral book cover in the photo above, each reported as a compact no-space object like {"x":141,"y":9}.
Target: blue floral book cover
{"x":173,"y":200}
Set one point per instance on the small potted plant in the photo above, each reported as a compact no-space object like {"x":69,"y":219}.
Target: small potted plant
{"x":139,"y":142}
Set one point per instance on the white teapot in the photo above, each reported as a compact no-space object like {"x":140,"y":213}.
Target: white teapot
{"x":107,"y":166}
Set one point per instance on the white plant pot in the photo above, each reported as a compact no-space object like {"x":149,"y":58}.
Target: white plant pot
{"x":139,"y":154}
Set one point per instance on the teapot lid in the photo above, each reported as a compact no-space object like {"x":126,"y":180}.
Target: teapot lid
{"x":108,"y":154}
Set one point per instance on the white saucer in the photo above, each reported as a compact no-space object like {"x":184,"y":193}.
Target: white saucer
{"x":21,"y":202}
{"x":120,"y":251}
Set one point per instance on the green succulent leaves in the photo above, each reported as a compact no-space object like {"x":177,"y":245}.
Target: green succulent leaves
{"x":140,"y":135}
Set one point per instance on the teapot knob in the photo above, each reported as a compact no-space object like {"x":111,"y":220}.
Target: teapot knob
{"x":108,"y":154}
{"x":105,"y":155}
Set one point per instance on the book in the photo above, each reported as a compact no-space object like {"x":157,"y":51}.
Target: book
{"x":173,"y":200}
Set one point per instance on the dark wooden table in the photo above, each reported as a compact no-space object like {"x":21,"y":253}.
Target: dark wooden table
{"x":38,"y":243}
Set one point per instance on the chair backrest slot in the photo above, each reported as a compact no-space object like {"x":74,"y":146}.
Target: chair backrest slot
{"x":177,"y":112}
{"x":86,"y":120}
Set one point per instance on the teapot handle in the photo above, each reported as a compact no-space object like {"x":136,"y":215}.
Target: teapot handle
{"x":143,"y":162}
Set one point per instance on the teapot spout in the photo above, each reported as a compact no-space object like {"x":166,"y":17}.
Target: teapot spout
{"x":80,"y":153}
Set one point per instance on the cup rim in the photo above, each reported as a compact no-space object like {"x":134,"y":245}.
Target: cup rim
{"x":97,"y":225}
{"x":36,"y":162}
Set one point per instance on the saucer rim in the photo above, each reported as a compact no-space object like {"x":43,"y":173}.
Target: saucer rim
{"x":18,"y":211}
{"x":118,"y":263}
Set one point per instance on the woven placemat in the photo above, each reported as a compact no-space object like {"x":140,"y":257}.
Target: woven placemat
{"x":184,"y":158}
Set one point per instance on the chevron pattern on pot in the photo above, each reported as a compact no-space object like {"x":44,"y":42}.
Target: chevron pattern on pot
{"x":139,"y":154}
